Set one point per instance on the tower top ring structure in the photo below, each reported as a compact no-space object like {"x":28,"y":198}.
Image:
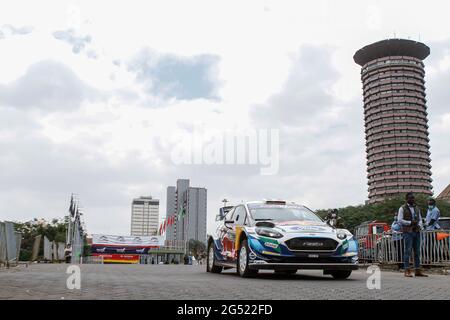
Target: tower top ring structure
{"x":391,"y":47}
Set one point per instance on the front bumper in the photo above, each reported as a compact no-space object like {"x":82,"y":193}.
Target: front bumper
{"x":310,"y":266}
{"x":280,"y":257}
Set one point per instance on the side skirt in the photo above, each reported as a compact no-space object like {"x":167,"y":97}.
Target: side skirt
{"x":226,"y":264}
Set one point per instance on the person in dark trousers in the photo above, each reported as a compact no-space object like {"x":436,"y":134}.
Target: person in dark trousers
{"x":410,"y":220}
{"x":68,"y":253}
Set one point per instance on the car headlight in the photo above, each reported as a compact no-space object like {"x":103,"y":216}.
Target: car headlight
{"x":341,"y":235}
{"x":268,"y":233}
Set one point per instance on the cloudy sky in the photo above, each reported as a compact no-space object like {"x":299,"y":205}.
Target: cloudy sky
{"x":92,"y":94}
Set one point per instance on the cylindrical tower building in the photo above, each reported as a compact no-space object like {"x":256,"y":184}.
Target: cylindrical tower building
{"x":395,"y":113}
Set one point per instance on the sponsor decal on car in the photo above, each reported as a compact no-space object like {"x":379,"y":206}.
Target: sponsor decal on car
{"x":270,"y":243}
{"x":345,"y":245}
{"x":306,"y":228}
{"x":271,"y":253}
{"x":258,"y":262}
{"x":312,"y":243}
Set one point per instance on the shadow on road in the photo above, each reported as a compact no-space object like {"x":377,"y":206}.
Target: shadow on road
{"x":275,"y":276}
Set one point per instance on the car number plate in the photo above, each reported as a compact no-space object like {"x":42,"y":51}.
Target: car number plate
{"x":313,"y":255}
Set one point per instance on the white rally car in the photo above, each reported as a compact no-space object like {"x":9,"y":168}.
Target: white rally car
{"x":280,"y":236}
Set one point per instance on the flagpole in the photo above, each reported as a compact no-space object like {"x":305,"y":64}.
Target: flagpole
{"x":187,"y":229}
{"x":69,"y":222}
{"x":184,"y":224}
{"x":69,"y":231}
{"x":184,"y":230}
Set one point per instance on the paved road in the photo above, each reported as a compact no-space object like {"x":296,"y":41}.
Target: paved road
{"x":48,"y":281}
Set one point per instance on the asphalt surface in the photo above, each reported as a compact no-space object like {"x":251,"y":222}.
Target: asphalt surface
{"x":48,"y":281}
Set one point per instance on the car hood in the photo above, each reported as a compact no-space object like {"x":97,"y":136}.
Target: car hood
{"x":304,"y":226}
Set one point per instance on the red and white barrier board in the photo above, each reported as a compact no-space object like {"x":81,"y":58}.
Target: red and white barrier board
{"x":118,"y":258}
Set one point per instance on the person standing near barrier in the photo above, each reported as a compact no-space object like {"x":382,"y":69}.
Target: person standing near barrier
{"x":396,"y":233}
{"x":68,"y":253}
{"x":396,"y":227}
{"x":410,"y":219}
{"x":433,"y":215}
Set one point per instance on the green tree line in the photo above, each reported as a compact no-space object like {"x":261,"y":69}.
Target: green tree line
{"x":54,"y":230}
{"x":353,"y":216}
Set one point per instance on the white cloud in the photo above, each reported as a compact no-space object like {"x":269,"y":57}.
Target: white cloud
{"x":79,"y":43}
{"x":17,"y":30}
{"x":307,"y":92}
{"x":170,"y":76}
{"x":46,"y":85}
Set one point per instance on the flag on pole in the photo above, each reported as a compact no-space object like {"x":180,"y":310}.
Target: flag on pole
{"x":181,"y":213}
{"x":72,"y":206}
{"x":71,"y":203}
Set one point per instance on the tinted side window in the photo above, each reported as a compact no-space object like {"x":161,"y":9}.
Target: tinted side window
{"x":239,"y":215}
{"x":229,"y":215}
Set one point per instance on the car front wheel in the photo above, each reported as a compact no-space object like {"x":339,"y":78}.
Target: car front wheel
{"x":242,"y":262}
{"x":211,"y":260}
{"x":341,"y":274}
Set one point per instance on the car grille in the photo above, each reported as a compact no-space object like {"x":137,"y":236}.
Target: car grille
{"x":312,"y":244}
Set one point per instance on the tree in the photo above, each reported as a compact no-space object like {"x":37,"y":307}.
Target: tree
{"x":55,"y":230}
{"x":196,"y":248}
{"x":353,"y":216}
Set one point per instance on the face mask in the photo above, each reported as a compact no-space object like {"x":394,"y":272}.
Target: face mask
{"x":430,"y":207}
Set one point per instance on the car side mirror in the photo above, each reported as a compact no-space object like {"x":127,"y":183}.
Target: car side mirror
{"x":226,"y":222}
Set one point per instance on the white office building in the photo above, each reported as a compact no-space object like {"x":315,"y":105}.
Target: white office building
{"x":144,"y":216}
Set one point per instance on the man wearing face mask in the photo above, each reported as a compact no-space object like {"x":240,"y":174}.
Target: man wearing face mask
{"x":410,"y":219}
{"x":433,"y":215}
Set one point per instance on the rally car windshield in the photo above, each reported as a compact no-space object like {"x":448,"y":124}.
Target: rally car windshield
{"x":283,"y":213}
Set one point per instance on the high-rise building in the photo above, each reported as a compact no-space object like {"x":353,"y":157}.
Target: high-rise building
{"x":395,"y":113}
{"x":188,"y":204}
{"x":144,"y":216}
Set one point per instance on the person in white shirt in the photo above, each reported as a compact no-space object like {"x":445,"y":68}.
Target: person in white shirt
{"x":410,"y":220}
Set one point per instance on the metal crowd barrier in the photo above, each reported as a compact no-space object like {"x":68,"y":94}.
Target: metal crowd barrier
{"x":92,"y":260}
{"x":389,"y":247}
{"x":53,"y":251}
{"x":174,"y":243}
